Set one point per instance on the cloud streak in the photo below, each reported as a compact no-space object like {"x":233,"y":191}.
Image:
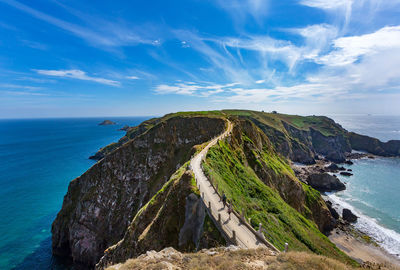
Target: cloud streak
{"x":104,"y":34}
{"x":77,"y":74}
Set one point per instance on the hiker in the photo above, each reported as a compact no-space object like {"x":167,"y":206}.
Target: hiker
{"x":230,"y":210}
{"x":224,"y":199}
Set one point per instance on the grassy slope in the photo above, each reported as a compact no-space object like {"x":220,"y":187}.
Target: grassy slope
{"x":226,"y":166}
{"x":321,"y":123}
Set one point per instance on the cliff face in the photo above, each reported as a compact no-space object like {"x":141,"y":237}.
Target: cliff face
{"x":302,"y":143}
{"x":374,"y":146}
{"x":173,"y":217}
{"x":100,"y":204}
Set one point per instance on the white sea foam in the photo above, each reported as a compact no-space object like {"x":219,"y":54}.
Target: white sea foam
{"x":386,"y":238}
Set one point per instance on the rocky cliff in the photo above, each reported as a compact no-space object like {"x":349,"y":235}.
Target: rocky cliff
{"x":374,"y":146}
{"x":302,"y":139}
{"x":174,"y":217}
{"x":100,"y":204}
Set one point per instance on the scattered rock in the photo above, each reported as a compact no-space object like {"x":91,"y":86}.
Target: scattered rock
{"x":371,"y":157}
{"x":334,"y":213}
{"x":107,"y":123}
{"x":349,"y":162}
{"x":325,"y":182}
{"x":346,"y":174}
{"x":349,"y":216}
{"x":349,"y":170}
{"x":333,"y":167}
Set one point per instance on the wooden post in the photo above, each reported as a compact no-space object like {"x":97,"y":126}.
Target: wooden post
{"x":202,"y":194}
{"x":233,"y":236}
{"x":286,"y":247}
{"x":242,"y":215}
{"x":219,"y":218}
{"x":209,"y":205}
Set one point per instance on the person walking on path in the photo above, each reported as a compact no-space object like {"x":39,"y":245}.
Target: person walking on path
{"x":230,"y":210}
{"x":224,"y":199}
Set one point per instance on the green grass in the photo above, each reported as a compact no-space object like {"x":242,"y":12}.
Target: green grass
{"x":321,"y":123}
{"x":226,"y":166}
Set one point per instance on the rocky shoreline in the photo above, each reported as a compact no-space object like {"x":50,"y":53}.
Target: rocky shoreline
{"x":356,"y":244}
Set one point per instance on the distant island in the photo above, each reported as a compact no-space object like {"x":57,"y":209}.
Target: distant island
{"x":107,"y":123}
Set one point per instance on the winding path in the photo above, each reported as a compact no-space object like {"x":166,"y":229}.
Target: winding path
{"x":244,"y":237}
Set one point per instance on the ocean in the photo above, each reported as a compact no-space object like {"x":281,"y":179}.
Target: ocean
{"x":40,"y":157}
{"x":372,"y":193}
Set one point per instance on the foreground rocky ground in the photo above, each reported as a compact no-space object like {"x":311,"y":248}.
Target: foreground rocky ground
{"x":235,"y":258}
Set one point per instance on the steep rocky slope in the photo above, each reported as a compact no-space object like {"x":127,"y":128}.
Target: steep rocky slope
{"x":301,"y":138}
{"x":100,"y":204}
{"x":174,"y":217}
{"x":259,"y":180}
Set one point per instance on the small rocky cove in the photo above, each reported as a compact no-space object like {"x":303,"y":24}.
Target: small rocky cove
{"x":141,"y":195}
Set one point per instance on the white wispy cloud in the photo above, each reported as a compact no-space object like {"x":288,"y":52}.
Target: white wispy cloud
{"x":349,"y":67}
{"x":326,"y":4}
{"x":132,"y":77}
{"x":101,"y":33}
{"x":19,"y":86}
{"x":77,"y":74}
{"x":240,"y":9}
{"x":193,"y":88}
{"x":348,"y":50}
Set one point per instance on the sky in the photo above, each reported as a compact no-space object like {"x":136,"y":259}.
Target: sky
{"x":128,"y":58}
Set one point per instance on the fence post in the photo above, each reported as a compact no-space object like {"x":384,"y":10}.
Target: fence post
{"x":219,"y":218}
{"x":209,"y":205}
{"x":242,"y":216}
{"x":233,"y":236}
{"x":202,"y":194}
{"x":286,"y":247}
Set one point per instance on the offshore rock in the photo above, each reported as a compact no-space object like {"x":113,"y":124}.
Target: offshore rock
{"x":325,"y":182}
{"x":349,"y":216}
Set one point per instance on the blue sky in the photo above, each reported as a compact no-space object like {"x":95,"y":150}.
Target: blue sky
{"x":121,"y":58}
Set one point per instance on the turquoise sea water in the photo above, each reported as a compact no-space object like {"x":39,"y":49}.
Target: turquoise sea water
{"x":38,"y":159}
{"x":373,"y":191}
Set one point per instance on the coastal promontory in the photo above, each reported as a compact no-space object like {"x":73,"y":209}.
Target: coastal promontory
{"x":142,"y":195}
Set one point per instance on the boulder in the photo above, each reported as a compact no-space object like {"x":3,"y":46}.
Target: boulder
{"x":325,"y":182}
{"x":349,"y":216}
{"x":333,"y":167}
{"x":334,"y":213}
{"x":346,"y":174}
{"x":349,"y":162}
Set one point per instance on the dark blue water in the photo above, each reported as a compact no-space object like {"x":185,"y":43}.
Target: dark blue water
{"x":38,"y":159}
